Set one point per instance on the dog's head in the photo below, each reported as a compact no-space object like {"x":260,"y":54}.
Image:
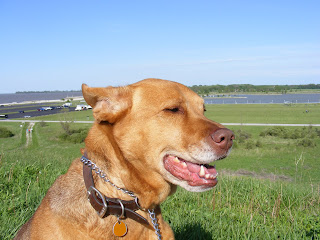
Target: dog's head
{"x":159,"y":127}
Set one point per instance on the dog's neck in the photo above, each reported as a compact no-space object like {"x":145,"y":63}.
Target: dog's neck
{"x":105,"y":205}
{"x":123,"y":173}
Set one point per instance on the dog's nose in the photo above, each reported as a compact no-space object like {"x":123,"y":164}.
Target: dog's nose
{"x":223,"y":137}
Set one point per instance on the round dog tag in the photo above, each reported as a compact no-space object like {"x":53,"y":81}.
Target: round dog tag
{"x":119,"y":229}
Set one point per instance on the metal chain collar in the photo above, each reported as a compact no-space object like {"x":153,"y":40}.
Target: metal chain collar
{"x":102,"y":175}
{"x":155,"y":223}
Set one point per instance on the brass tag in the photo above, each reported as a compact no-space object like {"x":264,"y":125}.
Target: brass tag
{"x":120,"y":229}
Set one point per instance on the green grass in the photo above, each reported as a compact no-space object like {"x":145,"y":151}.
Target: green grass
{"x":275,"y":157}
{"x":244,"y":208}
{"x":264,"y":113}
{"x":269,"y":190}
{"x":26,"y":173}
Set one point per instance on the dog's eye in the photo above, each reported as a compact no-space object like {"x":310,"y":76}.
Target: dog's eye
{"x":174,"y":110}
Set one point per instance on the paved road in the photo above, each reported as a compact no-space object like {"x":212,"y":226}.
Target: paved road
{"x":227,"y":124}
{"x":20,"y":111}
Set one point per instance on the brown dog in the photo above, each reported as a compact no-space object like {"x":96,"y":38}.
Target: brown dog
{"x":148,"y":138}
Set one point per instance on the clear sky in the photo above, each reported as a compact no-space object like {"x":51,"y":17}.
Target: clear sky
{"x":58,"y":45}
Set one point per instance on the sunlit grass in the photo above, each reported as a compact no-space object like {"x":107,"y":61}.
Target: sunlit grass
{"x":264,"y":113}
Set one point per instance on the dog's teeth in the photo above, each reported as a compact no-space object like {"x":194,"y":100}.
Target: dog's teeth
{"x":184,"y":165}
{"x":202,"y":172}
{"x":176,"y":160}
{"x":211,"y":176}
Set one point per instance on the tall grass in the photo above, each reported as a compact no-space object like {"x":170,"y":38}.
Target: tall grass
{"x":245,"y":208}
{"x":26,"y":173}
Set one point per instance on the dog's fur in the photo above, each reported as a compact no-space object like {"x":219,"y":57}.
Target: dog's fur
{"x":136,"y":127}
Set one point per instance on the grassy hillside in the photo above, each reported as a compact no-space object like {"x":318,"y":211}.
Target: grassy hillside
{"x":269,"y":186}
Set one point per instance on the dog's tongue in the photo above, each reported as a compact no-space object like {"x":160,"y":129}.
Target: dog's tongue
{"x":194,"y":174}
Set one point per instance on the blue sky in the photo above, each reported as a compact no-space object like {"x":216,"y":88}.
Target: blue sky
{"x":58,"y":45}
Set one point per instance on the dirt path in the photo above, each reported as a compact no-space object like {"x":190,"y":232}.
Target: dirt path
{"x":29,"y":133}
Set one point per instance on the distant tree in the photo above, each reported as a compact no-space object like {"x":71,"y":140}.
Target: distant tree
{"x":238,"y":88}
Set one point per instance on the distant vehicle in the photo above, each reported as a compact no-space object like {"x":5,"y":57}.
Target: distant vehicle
{"x":44,"y":108}
{"x":27,"y":116}
{"x":21,"y":111}
{"x":4,"y":116}
{"x":81,"y":107}
{"x":65,"y":105}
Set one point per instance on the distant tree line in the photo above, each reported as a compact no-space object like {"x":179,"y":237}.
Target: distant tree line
{"x":233,"y":88}
{"x":240,"y":88}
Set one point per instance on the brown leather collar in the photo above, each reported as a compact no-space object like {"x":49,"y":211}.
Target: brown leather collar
{"x":110,"y":206}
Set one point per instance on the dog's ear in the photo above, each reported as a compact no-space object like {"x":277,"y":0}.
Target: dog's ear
{"x":109,"y":103}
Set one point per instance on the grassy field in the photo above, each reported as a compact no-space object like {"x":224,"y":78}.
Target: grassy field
{"x":264,"y":113}
{"x":269,"y":186}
